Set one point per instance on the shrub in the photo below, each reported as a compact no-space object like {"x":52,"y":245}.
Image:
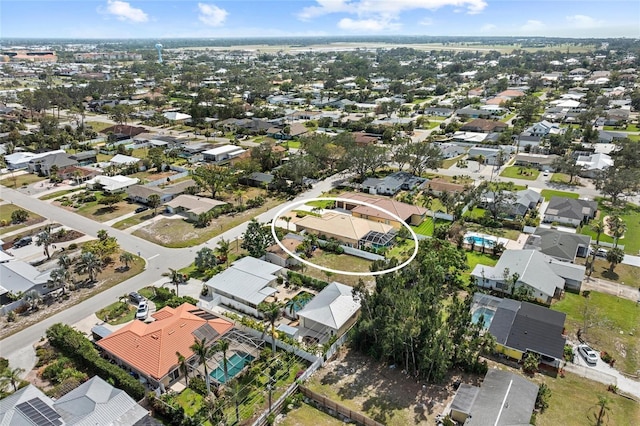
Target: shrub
{"x":198,"y":385}
{"x":78,"y":348}
{"x":306,"y":281}
{"x":73,"y":246}
{"x":568,"y":353}
{"x":542,"y":400}
{"x":531,"y":362}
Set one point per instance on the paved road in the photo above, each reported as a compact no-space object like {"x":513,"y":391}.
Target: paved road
{"x":18,"y":348}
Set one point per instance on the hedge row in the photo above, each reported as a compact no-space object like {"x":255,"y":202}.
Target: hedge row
{"x":306,"y":281}
{"x":77,"y":347}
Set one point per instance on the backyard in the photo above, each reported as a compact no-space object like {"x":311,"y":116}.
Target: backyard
{"x":623,"y":274}
{"x":630,"y":215}
{"x":475,"y":258}
{"x":548,"y":193}
{"x":612,"y":325}
{"x":341,"y":262}
{"x":425,"y":228}
{"x":306,"y":415}
{"x":517,"y":172}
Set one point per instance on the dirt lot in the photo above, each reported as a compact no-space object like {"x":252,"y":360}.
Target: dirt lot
{"x":385,"y":394}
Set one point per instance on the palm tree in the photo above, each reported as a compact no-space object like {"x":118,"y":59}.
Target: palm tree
{"x":271,"y":312}
{"x":89,"y":264}
{"x":598,"y":228}
{"x":65,"y":262}
{"x":603,"y":407}
{"x":614,"y":256}
{"x":618,"y":232}
{"x":59,"y":278}
{"x":223,"y":248}
{"x":175,"y":277}
{"x":126,"y":258}
{"x":299,"y":300}
{"x":45,"y":239}
{"x":203,"y":351}
{"x":32,"y":298}
{"x":154,"y":202}
{"x":286,"y":219}
{"x":223,"y":346}
{"x":11,"y":376}
{"x":480,"y":161}
{"x":183,"y":367}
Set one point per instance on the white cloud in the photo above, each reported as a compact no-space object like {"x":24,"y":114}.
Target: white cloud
{"x":532,"y":25}
{"x":211,"y":15}
{"x":426,"y":22}
{"x":124,"y":12}
{"x":365,"y":25}
{"x":583,"y":21}
{"x":487,"y":28}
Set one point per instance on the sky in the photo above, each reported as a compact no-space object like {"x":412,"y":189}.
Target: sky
{"x":158,"y":19}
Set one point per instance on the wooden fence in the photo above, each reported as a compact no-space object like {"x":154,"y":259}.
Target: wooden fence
{"x":339,"y":408}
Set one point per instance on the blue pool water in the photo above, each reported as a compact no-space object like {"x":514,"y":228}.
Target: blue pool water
{"x":480,"y":241}
{"x":488,"y":316}
{"x":300,"y":300}
{"x":235,"y":364}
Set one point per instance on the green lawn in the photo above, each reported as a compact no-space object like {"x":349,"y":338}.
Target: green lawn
{"x":5,"y":217}
{"x":627,"y":128}
{"x":517,"y":172}
{"x":476,"y":258}
{"x":573,"y":401}
{"x":57,"y":194}
{"x":508,"y":117}
{"x":339,"y":262}
{"x":425,"y":228}
{"x":627,"y":274}
{"x":630,"y":214}
{"x":21,"y":180}
{"x":451,"y":161}
{"x":510,"y":234}
{"x":308,"y":415}
{"x":291,"y":144}
{"x":133,"y":220}
{"x":321,"y":204}
{"x":612,"y":325}
{"x":475,"y":213}
{"x":548,"y":193}
{"x":102,"y":213}
{"x":563,"y":178}
{"x":97,"y":126}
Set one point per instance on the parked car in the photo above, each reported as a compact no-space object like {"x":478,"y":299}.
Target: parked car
{"x":24,"y":241}
{"x":142,"y":209}
{"x":589,"y":355}
{"x":600,"y":252}
{"x":135,"y":297}
{"x":545,"y":173}
{"x":143,"y":311}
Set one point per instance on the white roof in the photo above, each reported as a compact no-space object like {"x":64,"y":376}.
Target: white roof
{"x":332,"y":307}
{"x":224,"y":149}
{"x":17,"y":276}
{"x":246,"y":280}
{"x":176,"y":116}
{"x":113,"y":183}
{"x":123,"y":159}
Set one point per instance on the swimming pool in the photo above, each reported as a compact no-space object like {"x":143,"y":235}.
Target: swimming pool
{"x":481,"y":241}
{"x":488,"y":316}
{"x":300,"y":300}
{"x":235,"y":364}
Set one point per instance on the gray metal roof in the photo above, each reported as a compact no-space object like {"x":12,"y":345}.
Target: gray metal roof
{"x":465,"y":397}
{"x":11,"y":415}
{"x":332,"y":307}
{"x":17,"y":276}
{"x":96,"y":402}
{"x":533,"y":269}
{"x":246,"y":280}
{"x":505,"y":399}
{"x":558,"y":244}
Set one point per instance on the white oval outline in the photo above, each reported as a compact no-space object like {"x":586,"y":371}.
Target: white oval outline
{"x":288,"y":207}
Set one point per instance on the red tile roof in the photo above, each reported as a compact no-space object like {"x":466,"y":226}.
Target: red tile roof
{"x":403,"y":210}
{"x":151,"y":347}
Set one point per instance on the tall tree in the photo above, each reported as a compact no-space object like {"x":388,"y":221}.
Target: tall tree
{"x":184,"y":368}
{"x":175,"y":278}
{"x":223,"y":248}
{"x":213,"y":178}
{"x":203,"y":351}
{"x":45,"y":239}
{"x":222,"y":345}
{"x":126,"y":258}
{"x":271,"y":312}
{"x":154,"y":202}
{"x":257,"y":238}
{"x":89,"y":264}
{"x":614,"y":256}
{"x":11,"y":376}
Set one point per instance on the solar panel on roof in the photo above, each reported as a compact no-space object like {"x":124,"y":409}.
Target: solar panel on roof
{"x":205,"y":331}
{"x":39,"y":413}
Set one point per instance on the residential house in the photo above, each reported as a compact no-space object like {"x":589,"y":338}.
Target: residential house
{"x":617,"y":117}
{"x":570,"y":211}
{"x":526,"y":199}
{"x":410,"y":214}
{"x":18,"y":277}
{"x":362,"y":138}
{"x":122,"y":160}
{"x":438,"y":185}
{"x":522,"y":327}
{"x":438,"y":112}
{"x":605,"y":136}
{"x":450,"y":150}
{"x":190,"y":206}
{"x":245,"y":284}
{"x":28,"y":406}
{"x":330,"y":313}
{"x":149,"y":349}
{"x":85,"y":158}
{"x":304,"y":115}
{"x":544,"y":276}
{"x":141,"y":193}
{"x":176,"y":116}
{"x":393,"y":183}
{"x":503,"y":399}
{"x":593,"y":163}
{"x":20,"y":160}
{"x":543,"y":129}
{"x":537,"y":161}
{"x":96,"y":402}
{"x":295,"y":130}
{"x":527,"y":142}
{"x":276,"y":255}
{"x":258,"y":180}
{"x":43,"y":165}
{"x":560,"y":245}
{"x":469,"y":112}
{"x":469,"y":138}
{"x":112,"y":184}
{"x":492,"y":156}
{"x":351,"y":231}
{"x":222,"y":154}
{"x":481,"y":125}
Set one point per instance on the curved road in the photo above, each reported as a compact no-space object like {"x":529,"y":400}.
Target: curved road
{"x":18,"y":348}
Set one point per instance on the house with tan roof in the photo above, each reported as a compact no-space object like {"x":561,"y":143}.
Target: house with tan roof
{"x":351,"y":231}
{"x":149,"y":349}
{"x":191,"y":206}
{"x":410,"y":214}
{"x":438,"y":186}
